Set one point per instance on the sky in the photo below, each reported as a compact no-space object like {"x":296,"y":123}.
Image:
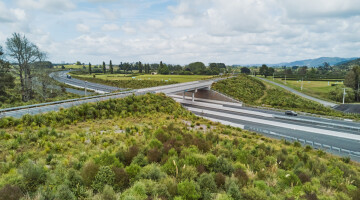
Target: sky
{"x":184,"y":31}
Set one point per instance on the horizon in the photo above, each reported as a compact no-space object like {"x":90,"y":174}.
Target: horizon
{"x":180,"y":32}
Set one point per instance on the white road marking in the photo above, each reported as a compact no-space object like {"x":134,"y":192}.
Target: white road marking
{"x":280,"y":124}
{"x":211,"y":105}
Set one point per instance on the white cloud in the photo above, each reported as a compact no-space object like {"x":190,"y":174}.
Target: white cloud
{"x":182,"y":21}
{"x":11,"y":15}
{"x":47,"y":5}
{"x":157,"y":24}
{"x":321,"y":8}
{"x":110,"y":14}
{"x":82,"y":28}
{"x":231,"y":31}
{"x":110,"y":27}
{"x":128,"y":29}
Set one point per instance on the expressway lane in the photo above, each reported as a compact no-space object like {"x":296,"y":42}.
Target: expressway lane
{"x":264,"y":116}
{"x":336,"y":140}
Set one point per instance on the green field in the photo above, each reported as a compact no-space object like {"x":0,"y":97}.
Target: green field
{"x":175,"y":78}
{"x":318,"y":89}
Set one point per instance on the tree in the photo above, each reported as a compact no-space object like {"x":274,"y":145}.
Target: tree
{"x":163,"y":69}
{"x":25,"y":53}
{"x":245,"y":70}
{"x":104,"y":68}
{"x":111,"y":68}
{"x":270,"y":71}
{"x":89,"y":68}
{"x":197,"y":67}
{"x":7,"y":81}
{"x":352,"y":80}
{"x":302,"y":70}
{"x":78,"y":63}
{"x":121,"y":67}
{"x":263,"y":70}
{"x":140,"y":67}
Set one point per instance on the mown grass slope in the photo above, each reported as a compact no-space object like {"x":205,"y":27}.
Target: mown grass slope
{"x":149,"y":147}
{"x":255,"y":92}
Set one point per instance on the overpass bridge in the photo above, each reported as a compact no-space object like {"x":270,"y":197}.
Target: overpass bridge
{"x":339,"y":137}
{"x":18,"y":112}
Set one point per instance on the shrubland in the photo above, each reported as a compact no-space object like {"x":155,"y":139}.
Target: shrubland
{"x":149,"y":147}
{"x":254,"y":92}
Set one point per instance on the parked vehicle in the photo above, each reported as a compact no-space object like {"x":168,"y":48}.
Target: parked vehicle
{"x":291,"y":113}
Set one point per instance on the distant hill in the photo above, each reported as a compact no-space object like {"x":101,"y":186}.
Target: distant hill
{"x":312,"y":62}
{"x":347,"y":64}
{"x":315,"y":62}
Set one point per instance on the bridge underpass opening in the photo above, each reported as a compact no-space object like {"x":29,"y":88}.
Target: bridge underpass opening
{"x":206,"y":94}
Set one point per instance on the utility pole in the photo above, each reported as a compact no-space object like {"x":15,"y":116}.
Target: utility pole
{"x":302,"y":83}
{"x":344,"y":96}
{"x":273,"y":76}
{"x":85,"y":87}
{"x":285,"y":79}
{"x":358,"y":92}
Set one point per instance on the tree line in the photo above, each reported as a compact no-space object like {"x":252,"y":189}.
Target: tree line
{"x":195,"y":68}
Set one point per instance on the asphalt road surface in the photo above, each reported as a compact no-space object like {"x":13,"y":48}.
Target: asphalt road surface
{"x":335,"y":136}
{"x":61,"y":76}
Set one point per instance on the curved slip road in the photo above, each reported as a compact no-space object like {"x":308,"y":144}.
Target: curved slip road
{"x":99,"y":88}
{"x":325,"y":103}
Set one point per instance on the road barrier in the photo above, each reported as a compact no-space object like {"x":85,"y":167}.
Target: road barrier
{"x":64,"y":101}
{"x":331,"y":149}
{"x":317,"y":122}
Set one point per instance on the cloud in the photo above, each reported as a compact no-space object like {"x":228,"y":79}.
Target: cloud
{"x":128,"y":29}
{"x":82,"y":28}
{"x":110,"y":27}
{"x":182,"y":21}
{"x":157,"y":24}
{"x":321,"y":8}
{"x":46,"y":5}
{"x":11,"y":15}
{"x":110,"y":14}
{"x":183,"y":31}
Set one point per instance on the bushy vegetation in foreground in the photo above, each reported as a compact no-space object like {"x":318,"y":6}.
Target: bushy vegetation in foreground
{"x":133,"y":84}
{"x":255,"y":92}
{"x":149,"y":147}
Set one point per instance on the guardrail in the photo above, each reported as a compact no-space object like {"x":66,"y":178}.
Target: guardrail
{"x":316,"y":145}
{"x":317,"y":122}
{"x":63,"y":101}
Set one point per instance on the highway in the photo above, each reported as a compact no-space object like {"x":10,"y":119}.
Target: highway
{"x":335,"y":136}
{"x":61,"y":76}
